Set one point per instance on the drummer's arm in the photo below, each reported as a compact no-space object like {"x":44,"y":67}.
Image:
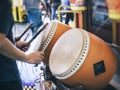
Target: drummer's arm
{"x":9,"y":50}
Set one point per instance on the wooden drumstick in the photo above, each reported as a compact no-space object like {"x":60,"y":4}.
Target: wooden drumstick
{"x":39,"y":31}
{"x":17,"y":39}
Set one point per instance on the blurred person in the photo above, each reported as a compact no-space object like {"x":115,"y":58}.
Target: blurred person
{"x":54,"y":4}
{"x":69,"y":16}
{"x":9,"y":53}
{"x":32,"y":8}
{"x":48,"y":9}
{"x":45,"y":9}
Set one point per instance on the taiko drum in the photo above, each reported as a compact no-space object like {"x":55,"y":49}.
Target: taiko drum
{"x":81,"y":58}
{"x":50,"y":35}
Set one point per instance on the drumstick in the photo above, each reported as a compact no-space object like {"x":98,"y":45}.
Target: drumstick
{"x":17,"y":39}
{"x":39,"y":31}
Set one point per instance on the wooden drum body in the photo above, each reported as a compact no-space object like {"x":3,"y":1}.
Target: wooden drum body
{"x":81,"y":58}
{"x":50,"y":35}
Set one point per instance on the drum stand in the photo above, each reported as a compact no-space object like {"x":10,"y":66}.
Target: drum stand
{"x":51,"y":83}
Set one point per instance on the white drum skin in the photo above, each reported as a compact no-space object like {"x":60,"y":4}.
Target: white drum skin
{"x":96,"y":68}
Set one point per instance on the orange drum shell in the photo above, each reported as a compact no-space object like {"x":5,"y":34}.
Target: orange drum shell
{"x":98,"y":51}
{"x":61,"y":28}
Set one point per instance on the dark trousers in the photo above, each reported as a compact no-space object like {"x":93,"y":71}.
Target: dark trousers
{"x":35,"y":17}
{"x":14,"y":85}
{"x":69,"y":16}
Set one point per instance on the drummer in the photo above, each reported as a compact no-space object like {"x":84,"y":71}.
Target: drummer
{"x":9,"y":75}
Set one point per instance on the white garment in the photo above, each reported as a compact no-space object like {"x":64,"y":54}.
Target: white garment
{"x":28,"y":72}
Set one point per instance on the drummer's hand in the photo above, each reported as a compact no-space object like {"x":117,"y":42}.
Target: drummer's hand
{"x":35,"y":57}
{"x":24,"y":46}
{"x":17,"y":38}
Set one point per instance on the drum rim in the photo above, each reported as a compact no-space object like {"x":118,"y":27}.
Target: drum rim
{"x":80,"y":60}
{"x":50,"y":36}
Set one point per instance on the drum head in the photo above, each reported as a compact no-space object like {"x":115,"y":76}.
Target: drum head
{"x":66,"y":52}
